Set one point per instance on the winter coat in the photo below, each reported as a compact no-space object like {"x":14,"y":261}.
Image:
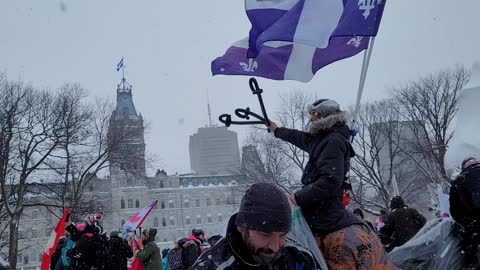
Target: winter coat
{"x":150,"y":256}
{"x":191,"y":251}
{"x":230,"y":253}
{"x":465,"y":209}
{"x":57,"y":254}
{"x":400,"y":226}
{"x":90,"y":251}
{"x":465,"y":196}
{"x":321,"y":195}
{"x":118,"y":253}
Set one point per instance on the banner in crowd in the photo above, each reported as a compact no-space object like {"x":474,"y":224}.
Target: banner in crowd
{"x":53,"y":241}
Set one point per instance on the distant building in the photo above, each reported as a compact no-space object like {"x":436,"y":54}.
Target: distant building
{"x":214,"y":150}
{"x":397,"y":143}
{"x":204,"y":200}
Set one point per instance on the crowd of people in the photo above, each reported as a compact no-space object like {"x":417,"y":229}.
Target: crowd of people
{"x":86,"y":247}
{"x":256,"y":236}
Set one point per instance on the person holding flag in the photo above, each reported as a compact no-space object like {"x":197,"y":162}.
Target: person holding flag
{"x":149,"y":252}
{"x":345,"y":241}
{"x":54,"y":240}
{"x":131,"y":227}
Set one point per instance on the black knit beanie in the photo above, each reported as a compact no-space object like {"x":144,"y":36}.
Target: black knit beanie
{"x":397,"y":202}
{"x":265,"y":208}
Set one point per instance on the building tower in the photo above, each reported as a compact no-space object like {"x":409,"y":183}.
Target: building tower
{"x":126,"y":137}
{"x":214,"y":151}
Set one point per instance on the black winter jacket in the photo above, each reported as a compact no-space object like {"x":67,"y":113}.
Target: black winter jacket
{"x":190,"y":251}
{"x":400,"y":226}
{"x":118,"y":253}
{"x":323,"y":177}
{"x":230,"y":253}
{"x":465,"y":196}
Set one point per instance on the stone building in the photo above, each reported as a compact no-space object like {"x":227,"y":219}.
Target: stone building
{"x":185,"y":202}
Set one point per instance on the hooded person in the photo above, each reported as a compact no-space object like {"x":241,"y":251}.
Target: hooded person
{"x":91,"y":245}
{"x":324,"y":182}
{"x":465,"y":208}
{"x":256,"y":236}
{"x":118,"y":252}
{"x":149,"y":255}
{"x":401,"y":224}
{"x":165,"y":252}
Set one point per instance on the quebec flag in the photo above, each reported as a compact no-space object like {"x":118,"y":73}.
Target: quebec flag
{"x":137,"y":219}
{"x":293,"y":39}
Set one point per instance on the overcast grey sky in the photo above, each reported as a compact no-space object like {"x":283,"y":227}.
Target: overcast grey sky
{"x":168,"y":47}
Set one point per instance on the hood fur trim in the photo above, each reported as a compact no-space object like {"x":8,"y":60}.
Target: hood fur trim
{"x":327,"y":123}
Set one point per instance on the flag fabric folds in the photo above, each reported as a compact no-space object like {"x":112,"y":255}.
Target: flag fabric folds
{"x":137,"y":219}
{"x":54,"y":239}
{"x":293,"y":39}
{"x":132,"y":224}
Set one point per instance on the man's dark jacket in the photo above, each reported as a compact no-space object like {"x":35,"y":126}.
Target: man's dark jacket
{"x":400,"y":226}
{"x":321,"y":196}
{"x":118,"y":253}
{"x":230,"y":253}
{"x":465,"y":210}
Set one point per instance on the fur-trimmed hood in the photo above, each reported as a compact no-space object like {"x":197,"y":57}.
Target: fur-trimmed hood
{"x":326,"y":123}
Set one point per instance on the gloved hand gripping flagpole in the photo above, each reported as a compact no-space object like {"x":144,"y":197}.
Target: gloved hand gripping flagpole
{"x":246,"y":113}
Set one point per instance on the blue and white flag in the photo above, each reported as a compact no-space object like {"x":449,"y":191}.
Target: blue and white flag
{"x":120,"y":64}
{"x":293,"y":39}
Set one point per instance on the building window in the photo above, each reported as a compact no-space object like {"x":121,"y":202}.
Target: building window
{"x":137,"y":204}
{"x":186,"y":204}
{"x":199,"y":219}
{"x":209,"y":218}
{"x":34,"y":255}
{"x":170,"y":204}
{"x":220,"y":218}
{"x":187,"y":220}
{"x":209,"y":203}
{"x":161,"y":184}
{"x":218,"y":201}
{"x":25,"y":259}
{"x":155,"y":222}
{"x":197,"y":203}
{"x":164,"y":222}
{"x":34,"y":233}
{"x":35,"y":214}
{"x":162,"y":205}
{"x":122,"y":204}
{"x":130,"y":203}
{"x":20,"y":234}
{"x":172,"y":221}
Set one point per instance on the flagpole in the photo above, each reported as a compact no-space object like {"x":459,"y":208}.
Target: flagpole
{"x":363,"y":75}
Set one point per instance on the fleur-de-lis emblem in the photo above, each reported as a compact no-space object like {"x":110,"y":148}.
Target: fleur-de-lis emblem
{"x":251,"y":66}
{"x":356,"y":41}
{"x":367,"y":6}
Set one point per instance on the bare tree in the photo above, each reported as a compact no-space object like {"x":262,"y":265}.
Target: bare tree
{"x":274,"y":160}
{"x":292,"y":113}
{"x":27,"y":137}
{"x":264,"y":162}
{"x":430,"y":102}
{"x":382,"y":160}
